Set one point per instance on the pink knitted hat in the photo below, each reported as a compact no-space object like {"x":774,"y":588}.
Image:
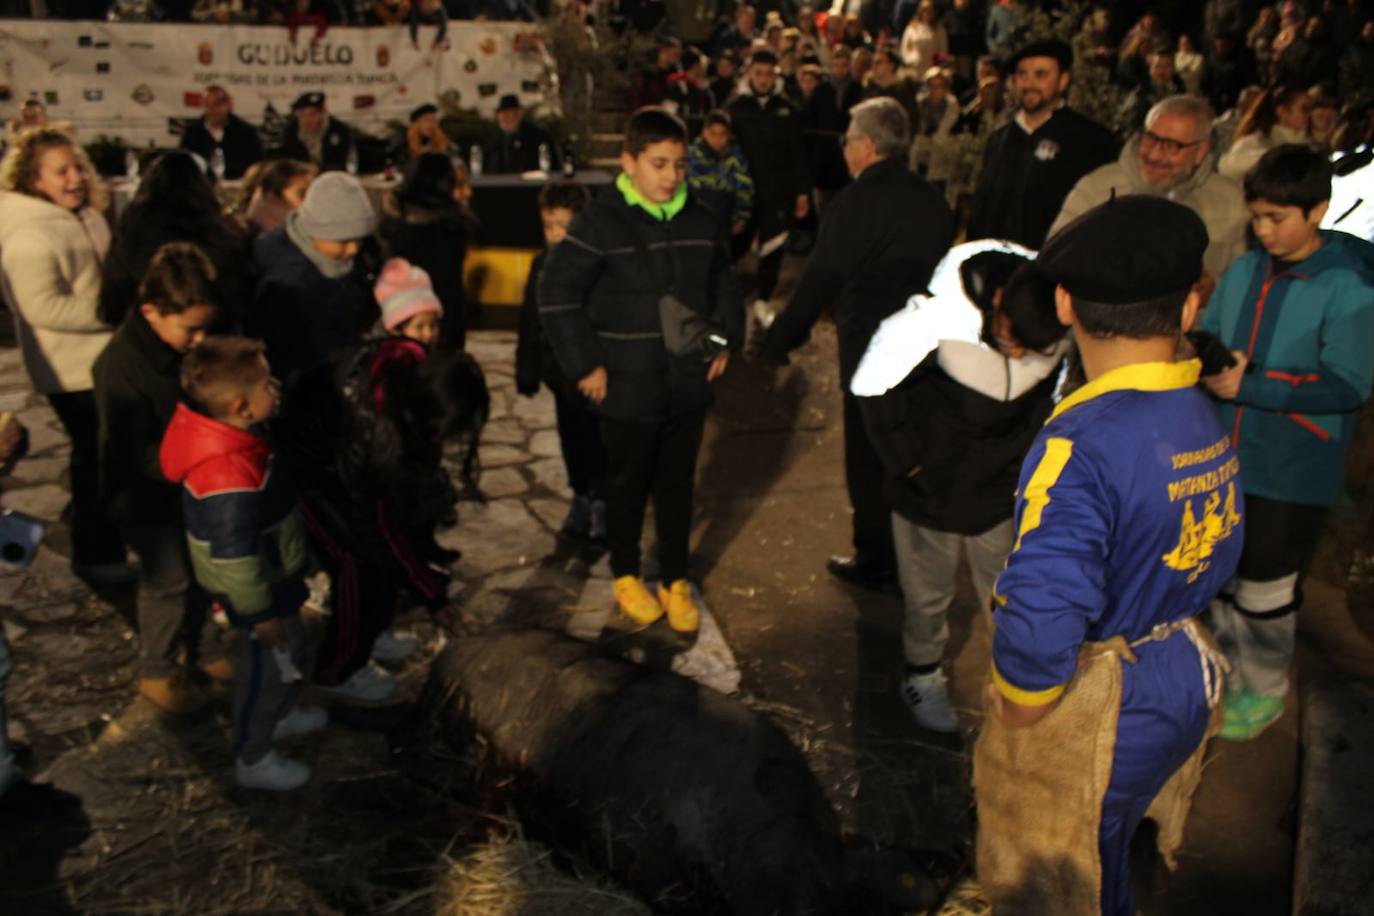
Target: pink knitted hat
{"x":404,"y":291}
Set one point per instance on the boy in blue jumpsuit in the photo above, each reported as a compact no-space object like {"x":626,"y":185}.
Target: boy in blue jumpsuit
{"x":1128,"y":515}
{"x":1299,"y":317}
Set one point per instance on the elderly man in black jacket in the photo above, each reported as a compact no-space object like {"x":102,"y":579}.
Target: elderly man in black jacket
{"x":314,"y":135}
{"x":516,"y":147}
{"x":878,"y":244}
{"x":220,"y":129}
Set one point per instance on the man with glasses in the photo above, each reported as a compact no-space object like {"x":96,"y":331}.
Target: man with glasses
{"x":1172,"y":157}
{"x":879,"y":241}
{"x":1031,"y":163}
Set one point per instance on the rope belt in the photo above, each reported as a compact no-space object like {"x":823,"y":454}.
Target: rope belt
{"x":1213,"y":662}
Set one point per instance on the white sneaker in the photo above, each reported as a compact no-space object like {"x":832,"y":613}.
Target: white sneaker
{"x":273,"y":772}
{"x":369,"y":684}
{"x":928,"y":699}
{"x":301,"y":720}
{"x":394,"y":645}
{"x":763,"y":314}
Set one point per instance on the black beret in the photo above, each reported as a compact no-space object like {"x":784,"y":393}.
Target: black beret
{"x":308,"y":100}
{"x":1130,"y":249}
{"x":1047,"y":47}
{"x":423,"y":110}
{"x":509,"y":101}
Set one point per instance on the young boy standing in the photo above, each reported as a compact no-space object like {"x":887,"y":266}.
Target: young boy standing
{"x":579,"y":432}
{"x":137,"y":386}
{"x":1127,"y":524}
{"x":639,"y":301}
{"x":248,"y":547}
{"x":718,"y":175}
{"x":1299,"y":317}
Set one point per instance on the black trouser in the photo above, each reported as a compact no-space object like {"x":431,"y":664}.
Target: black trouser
{"x":1280,"y":538}
{"x":658,"y":459}
{"x":770,"y":265}
{"x":579,"y":435}
{"x":95,"y":539}
{"x":863,"y":477}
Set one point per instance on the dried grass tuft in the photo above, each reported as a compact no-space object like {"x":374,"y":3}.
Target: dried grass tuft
{"x":514,"y":877}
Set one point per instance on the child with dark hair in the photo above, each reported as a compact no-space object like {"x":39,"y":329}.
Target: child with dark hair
{"x":1127,"y":524}
{"x":248,"y":547}
{"x":579,"y":433}
{"x":364,"y":438}
{"x":137,"y":387}
{"x":718,"y":174}
{"x":640,"y":304}
{"x":953,"y":389}
{"x":1299,"y":317}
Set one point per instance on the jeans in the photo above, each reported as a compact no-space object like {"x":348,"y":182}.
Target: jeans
{"x":264,"y":689}
{"x":658,"y":459}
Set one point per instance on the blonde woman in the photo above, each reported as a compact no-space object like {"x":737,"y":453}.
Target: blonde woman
{"x":53,"y":241}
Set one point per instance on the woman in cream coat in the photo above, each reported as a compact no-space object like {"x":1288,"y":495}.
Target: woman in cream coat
{"x":52,"y":243}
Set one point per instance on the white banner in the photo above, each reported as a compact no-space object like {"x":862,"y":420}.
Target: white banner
{"x":129,"y":81}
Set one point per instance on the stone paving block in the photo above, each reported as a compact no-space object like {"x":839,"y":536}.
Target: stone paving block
{"x":49,"y":613}
{"x":499,"y":456}
{"x":550,"y":474}
{"x":502,"y":431}
{"x":545,"y":444}
{"x":535,"y":412}
{"x":45,"y":501}
{"x":549,"y":511}
{"x":45,"y":433}
{"x":499,"y":483}
{"x":494,"y":536}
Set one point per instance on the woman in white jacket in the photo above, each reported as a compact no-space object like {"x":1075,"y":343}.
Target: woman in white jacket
{"x":52,"y":242}
{"x":923,"y":39}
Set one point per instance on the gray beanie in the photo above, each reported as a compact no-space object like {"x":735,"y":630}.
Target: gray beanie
{"x":336,"y":208}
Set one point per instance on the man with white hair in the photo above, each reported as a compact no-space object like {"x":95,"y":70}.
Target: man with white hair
{"x":1172,"y":157}
{"x":879,"y":241}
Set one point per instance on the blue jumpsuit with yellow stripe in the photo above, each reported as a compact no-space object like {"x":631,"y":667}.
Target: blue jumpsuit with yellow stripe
{"x":1128,"y":516}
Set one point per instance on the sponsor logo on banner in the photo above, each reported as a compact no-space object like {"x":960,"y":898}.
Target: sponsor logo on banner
{"x":487,"y":46}
{"x":364,"y":101}
{"x":486,"y":90}
{"x":383,"y":56}
{"x":529,"y":85}
{"x":192,"y":99}
{"x":102,"y":66}
{"x":143,"y":94}
{"x":93,"y":95}
{"x":205,"y":54}
{"x":50,"y":98}
{"x":470,"y":66}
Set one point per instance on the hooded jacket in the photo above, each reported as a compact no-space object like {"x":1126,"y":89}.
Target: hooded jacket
{"x":1218,"y":200}
{"x":599,"y":299}
{"x":951,"y":417}
{"x":51,"y":262}
{"x":721,"y":181}
{"x":245,"y":533}
{"x":1309,"y":335}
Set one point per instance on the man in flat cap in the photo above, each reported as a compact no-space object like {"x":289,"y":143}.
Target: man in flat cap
{"x":516,"y":149}
{"x":1128,"y":523}
{"x":1031,"y":163}
{"x":314,"y":135}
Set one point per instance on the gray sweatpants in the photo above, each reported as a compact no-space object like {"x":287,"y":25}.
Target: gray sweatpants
{"x":927,"y":562}
{"x":264,"y":690}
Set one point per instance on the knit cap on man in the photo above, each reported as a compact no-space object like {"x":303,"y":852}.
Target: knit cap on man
{"x":336,"y":209}
{"x":404,"y":291}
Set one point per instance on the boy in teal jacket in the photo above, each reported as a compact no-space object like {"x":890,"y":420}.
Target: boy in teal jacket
{"x":1298,"y":317}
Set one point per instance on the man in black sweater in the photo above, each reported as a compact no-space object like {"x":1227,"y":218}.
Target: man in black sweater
{"x":1031,"y":163}
{"x":878,"y":243}
{"x":516,"y":148}
{"x":220,"y":129}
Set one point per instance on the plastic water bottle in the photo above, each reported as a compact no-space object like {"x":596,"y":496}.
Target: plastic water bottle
{"x":217,"y":163}
{"x":475,"y":160}
{"x":569,"y":167}
{"x":131,"y":163}
{"x":351,"y":163}
{"x":545,"y":158}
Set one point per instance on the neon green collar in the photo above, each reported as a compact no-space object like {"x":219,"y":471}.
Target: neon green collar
{"x":661,"y":212}
{"x":1137,"y":377}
